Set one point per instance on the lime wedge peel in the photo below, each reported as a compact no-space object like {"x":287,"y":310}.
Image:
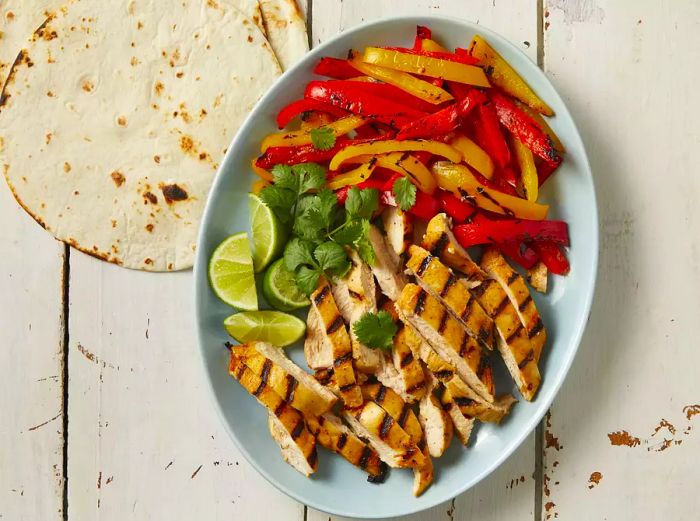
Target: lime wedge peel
{"x":280,"y":289}
{"x":231,"y":273}
{"x":268,"y":234}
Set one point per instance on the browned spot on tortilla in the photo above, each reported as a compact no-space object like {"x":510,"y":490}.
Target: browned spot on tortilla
{"x":623,"y":438}
{"x":179,"y":74}
{"x":184,"y":114}
{"x":118,"y":178}
{"x":134,"y":61}
{"x":45,"y":33}
{"x":114,"y":225}
{"x":139,"y":25}
{"x":250,"y":39}
{"x":203,"y":156}
{"x":150,"y":198}
{"x":66,"y":167}
{"x":49,"y":135}
{"x":147,"y":261}
{"x":202,"y":113}
{"x":154,"y":106}
{"x":156,"y":159}
{"x":173,"y":193}
{"x":158,"y":88}
{"x":207,"y":47}
{"x":187,"y":144}
{"x":2,"y":143}
{"x":50,"y":94}
{"x":10,"y":16}
{"x":149,"y":227}
{"x":133,"y":44}
{"x":217,"y":100}
{"x":594,"y":479}
{"x":213,"y":4}
{"x":76,"y":192}
{"x":121,"y":121}
{"x":691,"y":410}
{"x":87,"y":86}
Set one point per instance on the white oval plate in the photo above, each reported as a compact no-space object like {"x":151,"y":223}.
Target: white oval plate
{"x":337,"y":487}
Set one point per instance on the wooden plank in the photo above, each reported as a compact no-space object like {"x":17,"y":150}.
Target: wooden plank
{"x":626,"y":72}
{"x":504,"y":495}
{"x":31,"y":364}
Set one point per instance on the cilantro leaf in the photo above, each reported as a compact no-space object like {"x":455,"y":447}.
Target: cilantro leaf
{"x":323,"y":138}
{"x":332,"y":258}
{"x":327,"y":204}
{"x":366,"y":251}
{"x":283,"y":177}
{"x":307,"y":279}
{"x":311,"y":176}
{"x":298,"y":252}
{"x":362,"y":203}
{"x":405,"y":193}
{"x":309,"y":225}
{"x":376,"y":330}
{"x":351,"y":232}
{"x":280,"y":201}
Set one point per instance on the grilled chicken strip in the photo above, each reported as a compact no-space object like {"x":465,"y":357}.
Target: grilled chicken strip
{"x":387,"y":268}
{"x":392,"y":443}
{"x":335,"y":335}
{"x":452,"y":292}
{"x":297,"y":443}
{"x":398,"y":228}
{"x":537,"y":277}
{"x":463,"y":425}
{"x":401,"y":412}
{"x":437,"y":425}
{"x":332,"y":434}
{"x":355,"y":295}
{"x":512,"y":338}
{"x":291,"y":382}
{"x":317,"y":351}
{"x":447,"y":336}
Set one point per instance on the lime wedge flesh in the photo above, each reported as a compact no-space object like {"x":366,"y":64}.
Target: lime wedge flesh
{"x":231,"y":273}
{"x":275,"y":327}
{"x":269,"y":236}
{"x":280,"y":289}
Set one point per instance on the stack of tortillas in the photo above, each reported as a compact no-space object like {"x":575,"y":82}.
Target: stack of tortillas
{"x":116,"y":114}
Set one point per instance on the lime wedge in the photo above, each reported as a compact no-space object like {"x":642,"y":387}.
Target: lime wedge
{"x":231,"y":273}
{"x":275,"y":327}
{"x":280,"y":290}
{"x":269,"y":236}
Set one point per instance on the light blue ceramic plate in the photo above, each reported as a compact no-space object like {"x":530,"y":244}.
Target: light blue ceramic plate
{"x":337,"y":487}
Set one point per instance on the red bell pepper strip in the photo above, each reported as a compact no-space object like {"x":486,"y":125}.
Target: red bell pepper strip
{"x":422,"y":33}
{"x":389,"y":183}
{"x":455,"y":207}
{"x":489,"y":135}
{"x":458,"y":90}
{"x":304,"y":153}
{"x":551,"y":254}
{"x":526,"y":129}
{"x":390,"y":92}
{"x":305,"y":105}
{"x":385,"y":197}
{"x":520,"y":253}
{"x":544,"y":170}
{"x":465,"y":59}
{"x":497,"y":183}
{"x":426,"y":206}
{"x":359,"y":99}
{"x":422,"y":156}
{"x":443,"y":121}
{"x":508,"y":176}
{"x":483,"y":230}
{"x":336,"y":68}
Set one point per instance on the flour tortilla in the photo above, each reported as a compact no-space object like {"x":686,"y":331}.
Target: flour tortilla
{"x":116,"y":116}
{"x":285,"y":26}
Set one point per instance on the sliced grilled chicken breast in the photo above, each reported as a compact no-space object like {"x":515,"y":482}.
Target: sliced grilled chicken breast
{"x":297,"y":443}
{"x":514,"y":285}
{"x":335,"y":334}
{"x":463,"y":425}
{"x":317,"y":351}
{"x":398,"y":228}
{"x":440,"y":242}
{"x":355,"y":295}
{"x":296,"y":386}
{"x":468,"y":401}
{"x":452,"y":292}
{"x":447,"y":336}
{"x":512,"y":338}
{"x":436,"y":424}
{"x":390,"y":376}
{"x":387,"y":268}
{"x":332,"y":434}
{"x":392,"y":443}
{"x":537,"y":277}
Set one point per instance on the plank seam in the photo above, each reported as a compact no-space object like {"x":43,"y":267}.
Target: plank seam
{"x":64,"y":372}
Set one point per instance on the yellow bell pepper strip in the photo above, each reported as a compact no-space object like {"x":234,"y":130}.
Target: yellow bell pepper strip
{"x":405,"y":164}
{"x":428,"y":44}
{"x":259,"y":185}
{"x":528,"y":170}
{"x":261,"y":172}
{"x":558,"y":145}
{"x":419,"y":88}
{"x":315,"y":120}
{"x":353,"y":177}
{"x":391,"y":145}
{"x":504,"y":76}
{"x":474,"y":155}
{"x":426,"y":66}
{"x":303,"y":137}
{"x":459,"y":180}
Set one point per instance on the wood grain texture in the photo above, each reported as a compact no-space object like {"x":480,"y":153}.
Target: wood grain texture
{"x":509,"y":493}
{"x":625,"y":71}
{"x":31,"y":364}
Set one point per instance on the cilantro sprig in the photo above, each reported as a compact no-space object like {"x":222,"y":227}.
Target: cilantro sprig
{"x":376,"y":330}
{"x":323,"y":138}
{"x":404,"y":193}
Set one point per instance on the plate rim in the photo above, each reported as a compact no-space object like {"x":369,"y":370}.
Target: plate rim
{"x":543,"y":405}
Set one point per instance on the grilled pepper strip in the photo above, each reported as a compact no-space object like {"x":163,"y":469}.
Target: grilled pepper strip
{"x":442,"y":55}
{"x":303,"y":153}
{"x":474,"y":155}
{"x":407,"y":165}
{"x":505,"y":77}
{"x":518,"y":252}
{"x":525,"y":128}
{"x":539,"y":119}
{"x":303,"y":137}
{"x":444,"y":121}
{"x":404,"y":81}
{"x":392,"y":145}
{"x":263,"y":174}
{"x":335,"y":68}
{"x":297,"y":107}
{"x":459,"y":180}
{"x":528,"y":170}
{"x":455,"y":207}
{"x":422,"y":33}
{"x":552,"y":256}
{"x":358,"y":98}
{"x":489,"y":135}
{"x":483,"y":230}
{"x":426,"y":206}
{"x":426,"y":66}
{"x":315,"y":120}
{"x":353,"y":177}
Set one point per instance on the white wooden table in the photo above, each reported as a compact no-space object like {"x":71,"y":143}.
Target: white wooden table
{"x":104,"y":412}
